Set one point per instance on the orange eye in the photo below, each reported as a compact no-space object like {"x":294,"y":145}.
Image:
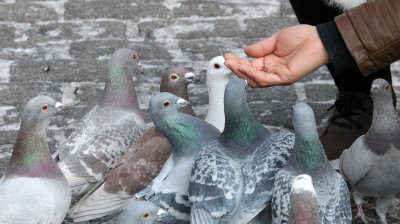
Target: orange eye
{"x":387,"y":87}
{"x":174,"y":77}
{"x":145,"y":216}
{"x":44,"y":107}
{"x":166,"y":104}
{"x":134,"y":56}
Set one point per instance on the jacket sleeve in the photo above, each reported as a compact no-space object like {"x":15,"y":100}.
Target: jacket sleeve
{"x":371,"y":33}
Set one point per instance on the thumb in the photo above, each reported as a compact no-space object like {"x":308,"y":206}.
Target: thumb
{"x":262,"y":48}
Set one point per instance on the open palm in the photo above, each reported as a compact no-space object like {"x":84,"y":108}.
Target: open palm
{"x":282,"y":59}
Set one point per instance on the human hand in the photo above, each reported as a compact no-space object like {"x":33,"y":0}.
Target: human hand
{"x":281,"y":59}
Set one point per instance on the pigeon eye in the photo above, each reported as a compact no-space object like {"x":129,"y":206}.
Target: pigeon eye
{"x":387,"y":87}
{"x":44,"y":107}
{"x":134,"y":56}
{"x":166,"y":104}
{"x":174,"y":77}
{"x":217,"y":66}
{"x":145,"y":216}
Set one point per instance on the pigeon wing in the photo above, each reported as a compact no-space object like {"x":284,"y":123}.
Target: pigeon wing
{"x":259,"y":173}
{"x":214,"y":183}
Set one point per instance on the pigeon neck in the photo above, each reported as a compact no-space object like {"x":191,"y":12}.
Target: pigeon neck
{"x":215,"y":114}
{"x":384,"y":115}
{"x":187,"y":134}
{"x":384,"y":128}
{"x":308,"y":155}
{"x":119,"y":89}
{"x":242,"y":132}
{"x":303,"y":209}
{"x":31,"y":155}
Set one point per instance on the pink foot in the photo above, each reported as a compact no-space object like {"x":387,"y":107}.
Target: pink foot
{"x":360,"y":214}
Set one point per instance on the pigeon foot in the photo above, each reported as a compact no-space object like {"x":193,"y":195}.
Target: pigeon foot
{"x":362,"y":216}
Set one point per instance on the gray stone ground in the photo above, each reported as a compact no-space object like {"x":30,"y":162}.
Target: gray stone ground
{"x":75,"y":39}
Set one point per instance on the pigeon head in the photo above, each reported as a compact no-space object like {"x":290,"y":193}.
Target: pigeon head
{"x":143,"y":212}
{"x":119,"y":88}
{"x":39,"y":109}
{"x":303,"y":183}
{"x":164,"y":105}
{"x":176,"y":80}
{"x":217,"y":70}
{"x":304,"y":122}
{"x":31,"y":155}
{"x":185,"y":133}
{"x":381,"y":90}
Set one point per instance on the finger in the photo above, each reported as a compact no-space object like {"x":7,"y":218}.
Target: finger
{"x":233,"y":65}
{"x":262,"y":48}
{"x":262,"y":79}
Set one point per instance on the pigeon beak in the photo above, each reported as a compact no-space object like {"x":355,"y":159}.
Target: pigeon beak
{"x":140,"y":67}
{"x":60,"y":106}
{"x":183,"y":103}
{"x":374,"y":88}
{"x":191,"y":77}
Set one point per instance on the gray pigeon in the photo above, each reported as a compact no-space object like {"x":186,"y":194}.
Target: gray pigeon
{"x":372,"y":164}
{"x":308,"y":157}
{"x":138,"y":212}
{"x":303,"y":201}
{"x":233,"y":176}
{"x":108,"y":130}
{"x":187,"y":136}
{"x":33,"y":189}
{"x":140,"y":164}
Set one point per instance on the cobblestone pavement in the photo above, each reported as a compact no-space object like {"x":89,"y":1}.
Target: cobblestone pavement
{"x":74,"y":39}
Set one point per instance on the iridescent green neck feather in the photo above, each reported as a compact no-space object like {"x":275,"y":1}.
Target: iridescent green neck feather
{"x":31,"y":156}
{"x":186,"y":134}
{"x":243,"y":132}
{"x":119,"y":89}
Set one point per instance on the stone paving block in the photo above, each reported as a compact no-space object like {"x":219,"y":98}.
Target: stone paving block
{"x":59,"y":70}
{"x":97,"y":48}
{"x":207,"y":49}
{"x":76,"y":31}
{"x":320,"y":93}
{"x":26,"y":11}
{"x":265,"y":27}
{"x":202,"y":8}
{"x":7,"y":35}
{"x":273,"y":106}
{"x":217,"y":28}
{"x":146,"y":29}
{"x":121,"y":9}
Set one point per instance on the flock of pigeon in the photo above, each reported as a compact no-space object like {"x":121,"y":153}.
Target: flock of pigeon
{"x":226,"y":169}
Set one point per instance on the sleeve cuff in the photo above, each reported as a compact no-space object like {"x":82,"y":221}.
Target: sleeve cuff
{"x":339,"y":55}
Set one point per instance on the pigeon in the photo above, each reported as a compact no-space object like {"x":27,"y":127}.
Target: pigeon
{"x":187,"y":135}
{"x":218,"y":76}
{"x":138,"y":165}
{"x":143,"y":212}
{"x":371,"y":164}
{"x":233,"y":176}
{"x":303,"y":201}
{"x":33,"y":189}
{"x":308,"y":157}
{"x":107,"y":130}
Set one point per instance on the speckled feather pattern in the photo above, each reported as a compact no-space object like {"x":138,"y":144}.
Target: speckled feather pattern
{"x":333,"y":197}
{"x":99,"y":141}
{"x":219,"y":182}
